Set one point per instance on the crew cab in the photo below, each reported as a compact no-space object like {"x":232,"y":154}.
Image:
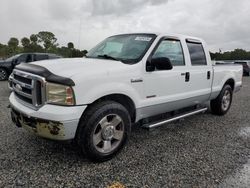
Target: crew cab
{"x":143,"y":79}
{"x":6,"y":66}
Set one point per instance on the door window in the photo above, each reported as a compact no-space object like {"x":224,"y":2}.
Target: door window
{"x":171,"y":49}
{"x":197,"y":53}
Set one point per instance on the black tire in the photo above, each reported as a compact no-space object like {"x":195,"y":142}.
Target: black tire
{"x":92,"y":121}
{"x":3,"y":74}
{"x":218,"y":105}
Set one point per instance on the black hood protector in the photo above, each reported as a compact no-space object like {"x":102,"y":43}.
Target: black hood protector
{"x":41,"y":71}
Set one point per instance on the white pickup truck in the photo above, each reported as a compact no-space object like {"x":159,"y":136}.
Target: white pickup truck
{"x":144,"y":78}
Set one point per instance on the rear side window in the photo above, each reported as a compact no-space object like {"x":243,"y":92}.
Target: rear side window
{"x":197,"y":53}
{"x":171,"y":49}
{"x":22,"y":58}
{"x":40,"y":57}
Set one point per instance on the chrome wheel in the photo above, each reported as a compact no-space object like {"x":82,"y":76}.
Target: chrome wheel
{"x":226,"y":100}
{"x":3,"y":74}
{"x":108,"y":133}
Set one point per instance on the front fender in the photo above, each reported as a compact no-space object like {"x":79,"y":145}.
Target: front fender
{"x":87,"y":94}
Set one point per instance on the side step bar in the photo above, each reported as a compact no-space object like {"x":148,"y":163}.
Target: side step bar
{"x":159,"y":123}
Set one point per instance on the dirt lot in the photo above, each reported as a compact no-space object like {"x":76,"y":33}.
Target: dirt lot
{"x":200,"y":151}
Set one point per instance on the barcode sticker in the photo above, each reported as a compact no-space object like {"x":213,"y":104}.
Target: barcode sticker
{"x":143,"y":38}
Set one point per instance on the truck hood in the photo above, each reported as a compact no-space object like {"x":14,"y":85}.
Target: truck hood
{"x":72,"y":67}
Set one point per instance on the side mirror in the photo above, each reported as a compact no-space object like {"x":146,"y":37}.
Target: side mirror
{"x":161,"y":63}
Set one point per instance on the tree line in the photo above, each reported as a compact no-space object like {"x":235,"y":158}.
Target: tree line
{"x":237,"y":54}
{"x":43,"y":42}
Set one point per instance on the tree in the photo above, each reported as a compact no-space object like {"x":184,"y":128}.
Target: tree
{"x":34,"y":46}
{"x":71,"y":45}
{"x":33,"y":38}
{"x":25,"y":42}
{"x":13,"y":42}
{"x":13,"y":46}
{"x":48,"y":40}
{"x":84,"y":52}
{"x":3,"y":51}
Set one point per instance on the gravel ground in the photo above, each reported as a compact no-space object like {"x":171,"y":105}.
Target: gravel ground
{"x":200,"y":151}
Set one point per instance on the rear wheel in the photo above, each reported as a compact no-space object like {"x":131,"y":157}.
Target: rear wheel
{"x":3,"y":74}
{"x":222,"y":103}
{"x":103,"y":130}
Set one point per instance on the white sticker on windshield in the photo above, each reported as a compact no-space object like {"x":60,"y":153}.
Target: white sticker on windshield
{"x":143,"y":38}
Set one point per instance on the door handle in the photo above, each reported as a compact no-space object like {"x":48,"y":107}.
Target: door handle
{"x":208,"y":75}
{"x":187,"y":76}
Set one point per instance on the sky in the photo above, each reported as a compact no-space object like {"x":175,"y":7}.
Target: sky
{"x":223,"y":24}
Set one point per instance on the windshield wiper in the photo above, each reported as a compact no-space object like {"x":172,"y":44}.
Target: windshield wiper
{"x":108,"y":57}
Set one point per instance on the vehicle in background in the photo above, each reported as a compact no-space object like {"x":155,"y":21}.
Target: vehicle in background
{"x":7,"y":65}
{"x":149,"y":79}
{"x":246,"y":67}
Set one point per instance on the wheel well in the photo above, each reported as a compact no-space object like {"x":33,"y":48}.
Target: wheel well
{"x":124,"y":100}
{"x":4,"y":68}
{"x":230,"y":82}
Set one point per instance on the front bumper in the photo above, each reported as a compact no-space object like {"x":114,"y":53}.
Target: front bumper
{"x":50,"y":121}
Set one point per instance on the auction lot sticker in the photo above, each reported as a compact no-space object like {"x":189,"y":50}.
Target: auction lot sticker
{"x":143,"y":38}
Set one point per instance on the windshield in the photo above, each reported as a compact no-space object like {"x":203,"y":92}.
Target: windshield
{"x":13,"y":57}
{"x":128,"y":48}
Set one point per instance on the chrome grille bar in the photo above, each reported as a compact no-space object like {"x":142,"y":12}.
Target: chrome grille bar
{"x":22,"y":84}
{"x":22,"y":93}
{"x":31,"y":95}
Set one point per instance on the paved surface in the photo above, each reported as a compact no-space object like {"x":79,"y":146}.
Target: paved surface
{"x":200,"y":151}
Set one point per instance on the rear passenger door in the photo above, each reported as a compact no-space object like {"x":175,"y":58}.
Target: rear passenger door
{"x":200,"y":71}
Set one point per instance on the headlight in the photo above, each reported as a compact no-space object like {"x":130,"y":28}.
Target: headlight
{"x":59,"y":94}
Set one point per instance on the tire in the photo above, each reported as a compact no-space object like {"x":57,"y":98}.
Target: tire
{"x":103,"y":130}
{"x":222,"y":103}
{"x":3,"y":74}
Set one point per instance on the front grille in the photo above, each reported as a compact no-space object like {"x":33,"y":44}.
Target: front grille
{"x":29,"y":88}
{"x":23,"y":79}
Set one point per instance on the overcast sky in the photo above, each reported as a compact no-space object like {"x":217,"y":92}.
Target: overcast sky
{"x":223,"y":24}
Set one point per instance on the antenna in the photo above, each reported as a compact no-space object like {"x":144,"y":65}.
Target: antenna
{"x":80,"y":32}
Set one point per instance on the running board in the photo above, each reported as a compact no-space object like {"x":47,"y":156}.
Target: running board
{"x":159,"y":123}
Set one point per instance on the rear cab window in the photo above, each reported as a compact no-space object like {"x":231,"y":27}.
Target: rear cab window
{"x":197,"y":53}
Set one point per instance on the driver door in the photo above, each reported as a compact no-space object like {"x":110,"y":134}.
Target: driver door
{"x":166,"y":90}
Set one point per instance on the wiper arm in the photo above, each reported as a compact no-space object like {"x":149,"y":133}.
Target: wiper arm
{"x":108,"y":57}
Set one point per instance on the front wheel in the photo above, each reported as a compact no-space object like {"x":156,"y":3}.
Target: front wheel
{"x":222,"y":103}
{"x":103,"y":130}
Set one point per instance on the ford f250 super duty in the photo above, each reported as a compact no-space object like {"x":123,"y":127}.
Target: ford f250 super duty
{"x":144,"y":78}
